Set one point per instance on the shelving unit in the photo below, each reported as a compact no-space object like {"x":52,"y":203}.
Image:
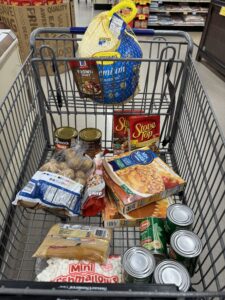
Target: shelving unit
{"x":182,"y":14}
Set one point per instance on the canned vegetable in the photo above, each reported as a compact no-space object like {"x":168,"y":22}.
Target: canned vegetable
{"x":172,"y":272}
{"x":65,"y":137}
{"x":91,"y":138}
{"x":152,"y":237}
{"x":138,"y":265}
{"x":185,"y":247}
{"x":178,"y":216}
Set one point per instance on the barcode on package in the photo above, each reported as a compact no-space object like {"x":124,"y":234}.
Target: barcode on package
{"x":60,"y":197}
{"x":101,"y":233}
{"x":116,"y":26}
{"x":130,"y":207}
{"x":112,"y":224}
{"x":29,"y":187}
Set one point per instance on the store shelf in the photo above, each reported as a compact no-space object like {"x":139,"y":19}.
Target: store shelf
{"x":183,"y":13}
{"x":177,"y":11}
{"x":185,"y":1}
{"x":176,"y":25}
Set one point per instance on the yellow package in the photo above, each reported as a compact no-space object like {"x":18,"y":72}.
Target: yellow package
{"x":108,"y":36}
{"x":76,"y":242}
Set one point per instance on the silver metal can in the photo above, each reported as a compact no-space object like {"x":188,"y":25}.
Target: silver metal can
{"x":172,"y":272}
{"x":178,"y":216}
{"x":185,"y":247}
{"x":138,"y":265}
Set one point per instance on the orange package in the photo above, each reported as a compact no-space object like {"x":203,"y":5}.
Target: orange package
{"x":113,"y":218}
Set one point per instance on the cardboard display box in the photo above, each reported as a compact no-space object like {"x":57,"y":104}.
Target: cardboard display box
{"x":22,"y":20}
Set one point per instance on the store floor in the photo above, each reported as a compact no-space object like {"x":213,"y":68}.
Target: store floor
{"x":212,"y":83}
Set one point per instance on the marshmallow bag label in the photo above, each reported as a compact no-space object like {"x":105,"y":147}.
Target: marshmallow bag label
{"x":64,"y":270}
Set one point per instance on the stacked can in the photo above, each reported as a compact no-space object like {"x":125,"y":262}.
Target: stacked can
{"x":172,"y":272}
{"x":185,"y":247}
{"x":178,"y":216}
{"x":138,"y":265}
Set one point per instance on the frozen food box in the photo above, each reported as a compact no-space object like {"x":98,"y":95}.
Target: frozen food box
{"x":112,"y":218}
{"x":143,"y":176}
{"x":126,"y":200}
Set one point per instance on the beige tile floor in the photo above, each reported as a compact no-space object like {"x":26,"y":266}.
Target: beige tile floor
{"x":213,"y":84}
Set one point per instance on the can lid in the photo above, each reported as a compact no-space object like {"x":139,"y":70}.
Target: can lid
{"x":90,"y":134}
{"x":66,"y":133}
{"x":138,"y":262}
{"x":180,"y":214}
{"x":186,"y":243}
{"x":172,"y":272}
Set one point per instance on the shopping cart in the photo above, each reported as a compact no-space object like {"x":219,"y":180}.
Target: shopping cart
{"x":44,"y":96}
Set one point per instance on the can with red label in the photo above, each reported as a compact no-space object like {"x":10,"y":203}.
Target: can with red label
{"x":65,"y":137}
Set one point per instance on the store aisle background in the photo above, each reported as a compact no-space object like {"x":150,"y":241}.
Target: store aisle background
{"x":212,"y":82}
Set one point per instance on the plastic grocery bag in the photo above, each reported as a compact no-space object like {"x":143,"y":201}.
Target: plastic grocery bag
{"x":108,"y":36}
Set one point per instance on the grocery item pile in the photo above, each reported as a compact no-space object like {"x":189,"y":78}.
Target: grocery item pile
{"x":130,"y":189}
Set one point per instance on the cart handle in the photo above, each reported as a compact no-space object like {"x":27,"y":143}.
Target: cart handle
{"x":138,"y":32}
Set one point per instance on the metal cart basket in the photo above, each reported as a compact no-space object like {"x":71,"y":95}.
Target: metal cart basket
{"x":44,"y":96}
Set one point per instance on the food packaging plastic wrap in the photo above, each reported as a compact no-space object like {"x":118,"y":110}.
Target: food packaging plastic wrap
{"x":64,"y":270}
{"x":76,"y":242}
{"x":58,"y":186}
{"x":109,"y":36}
{"x":93,"y":199}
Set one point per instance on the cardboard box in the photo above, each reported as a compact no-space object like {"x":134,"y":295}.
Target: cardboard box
{"x":10,"y":63}
{"x":126,"y":201}
{"x":22,"y":20}
{"x":138,"y":178}
{"x":113,"y":218}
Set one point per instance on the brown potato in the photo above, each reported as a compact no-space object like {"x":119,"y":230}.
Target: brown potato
{"x":80,"y":180}
{"x":50,"y":167}
{"x":86,"y":165}
{"x":67,"y":173}
{"x":63,"y":166}
{"x":74,"y":163}
{"x":70,"y":154}
{"x":80,"y":174}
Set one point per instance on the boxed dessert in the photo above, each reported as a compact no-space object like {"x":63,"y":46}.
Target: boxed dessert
{"x":143,"y":175}
{"x":113,"y":218}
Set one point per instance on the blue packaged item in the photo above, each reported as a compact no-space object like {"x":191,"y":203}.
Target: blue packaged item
{"x":108,"y":36}
{"x":52,"y":191}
